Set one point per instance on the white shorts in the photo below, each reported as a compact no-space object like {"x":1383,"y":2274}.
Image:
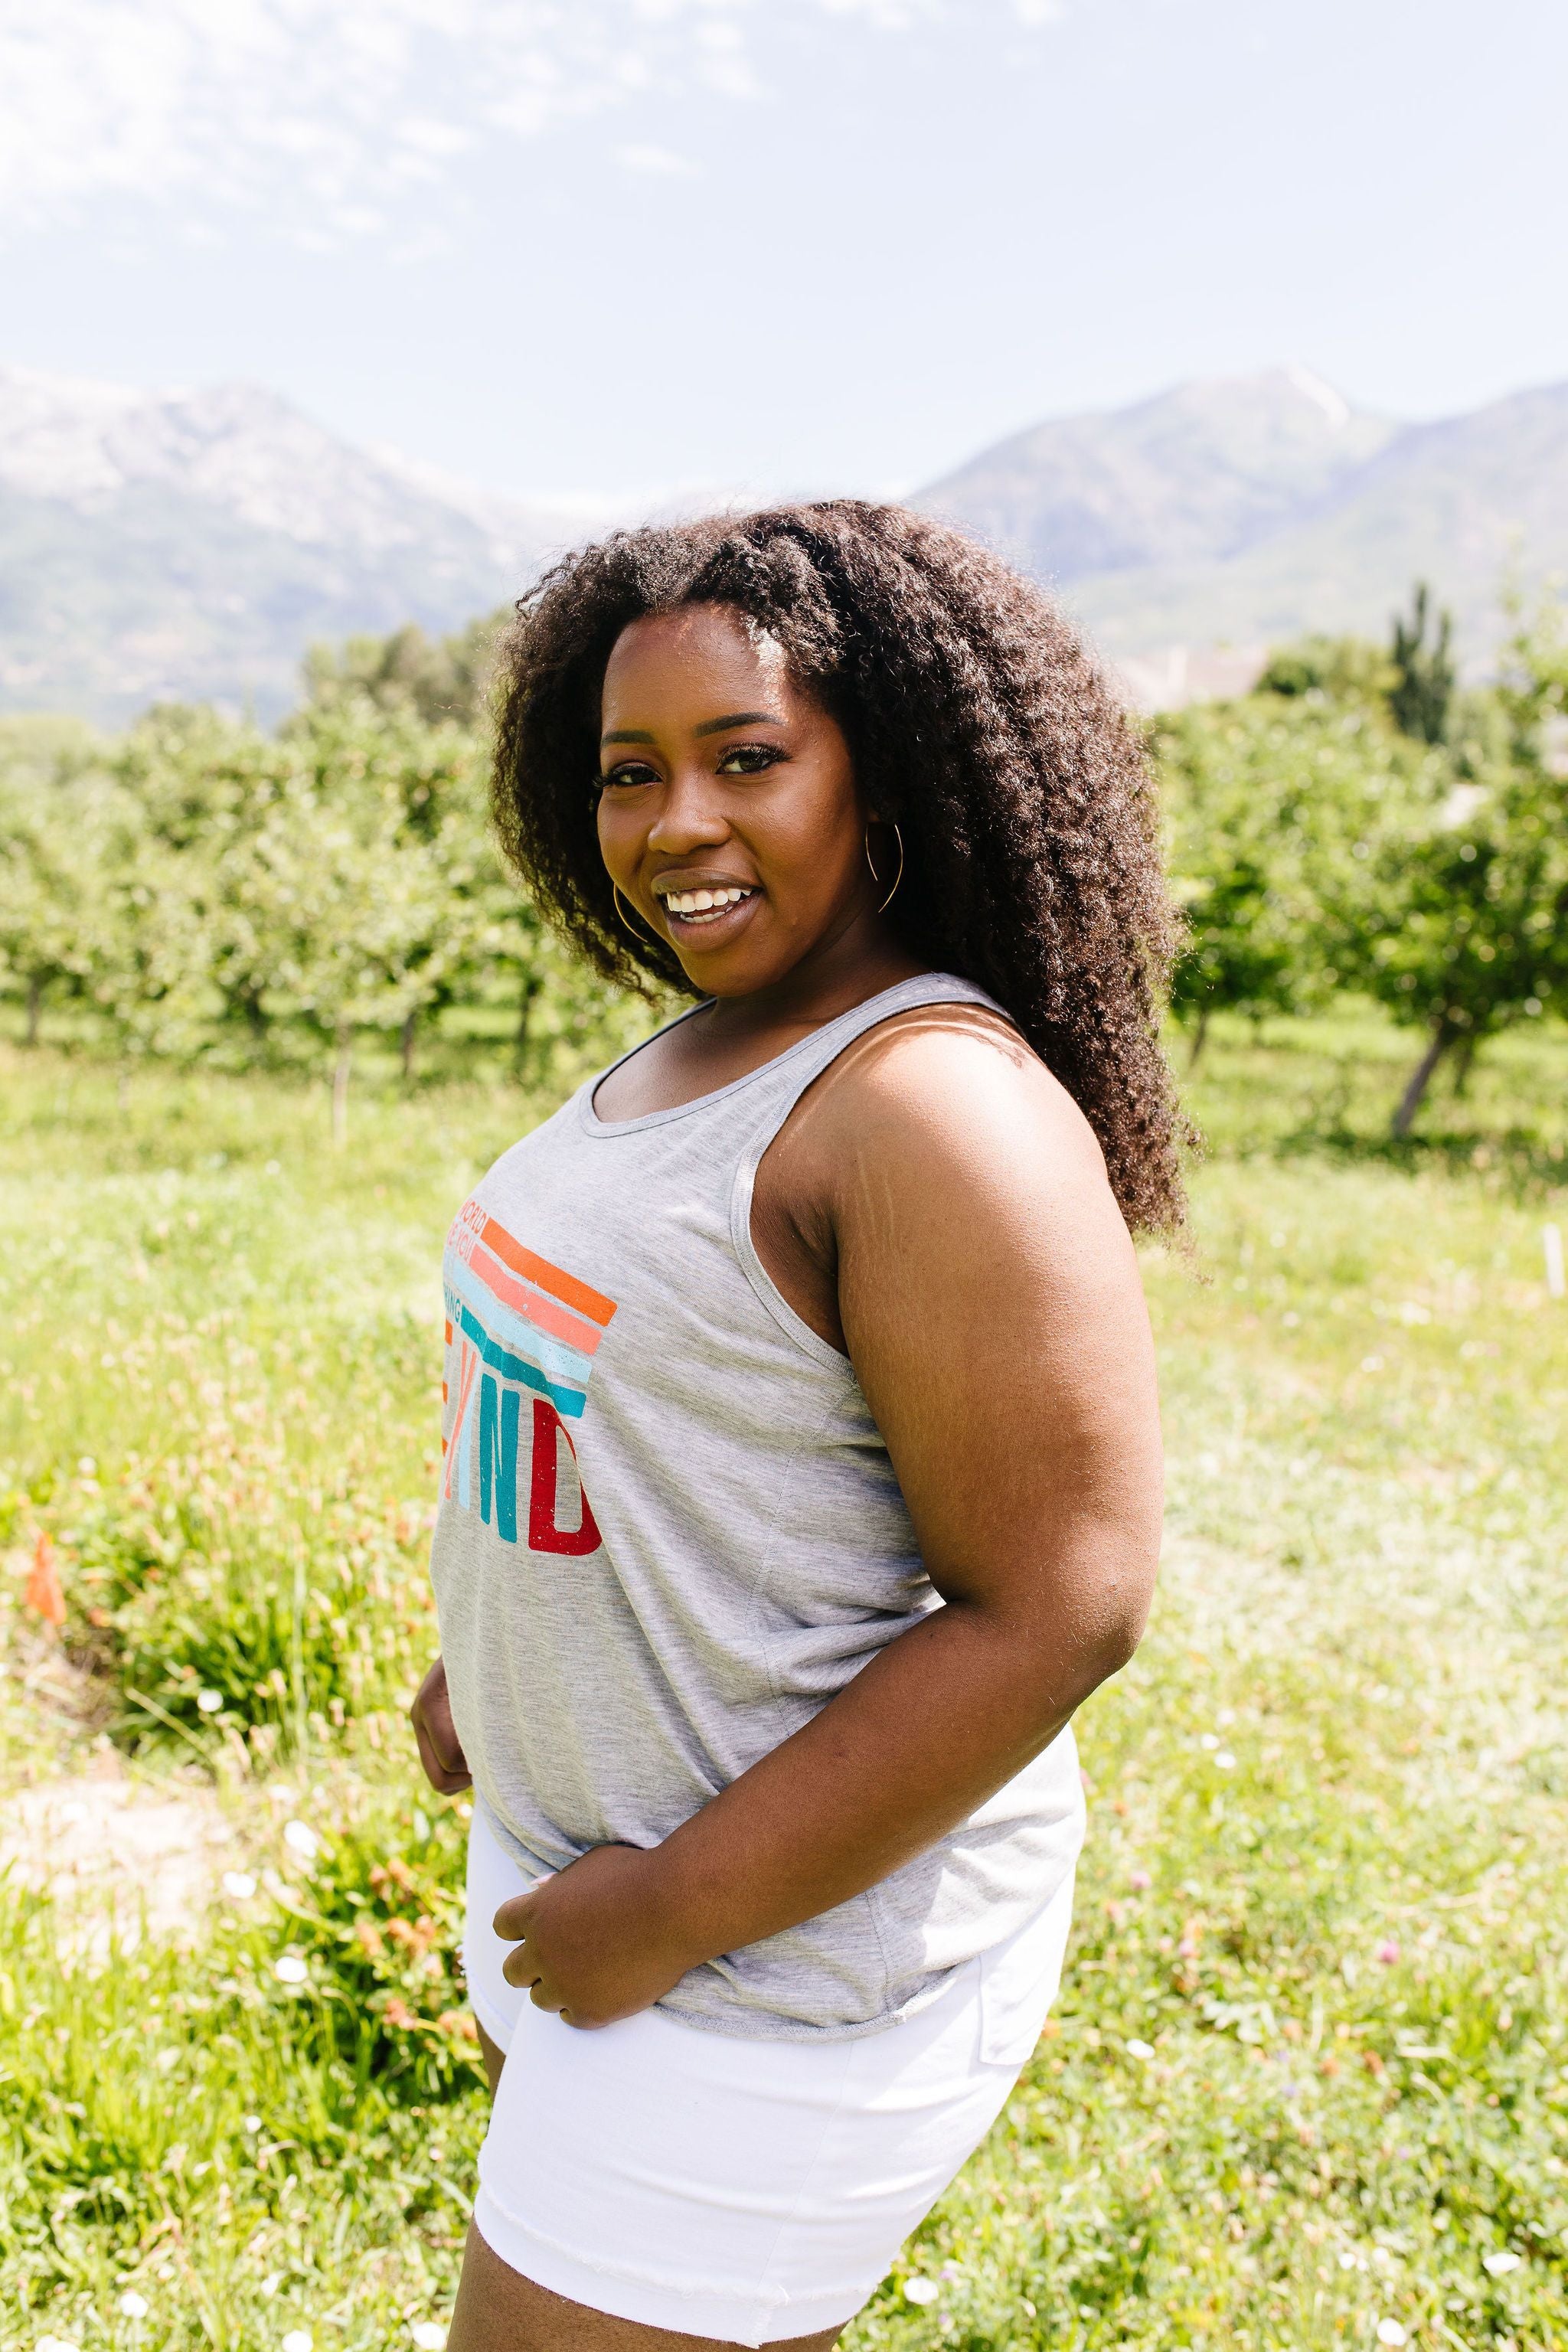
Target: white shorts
{"x":748,"y":2190}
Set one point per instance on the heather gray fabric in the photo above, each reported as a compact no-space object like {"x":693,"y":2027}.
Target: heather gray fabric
{"x":669,"y":1532}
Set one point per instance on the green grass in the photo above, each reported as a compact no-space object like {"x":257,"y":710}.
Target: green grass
{"x":1309,"y":2071}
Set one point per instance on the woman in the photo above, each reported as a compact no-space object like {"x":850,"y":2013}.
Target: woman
{"x":801,"y":1466}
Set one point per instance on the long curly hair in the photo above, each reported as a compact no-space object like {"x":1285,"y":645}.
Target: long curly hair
{"x":977,"y":720}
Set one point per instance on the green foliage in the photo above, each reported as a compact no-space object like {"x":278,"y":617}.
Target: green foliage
{"x":1273,"y":806}
{"x":1422,"y":695}
{"x":1477,"y":935}
{"x":1355,"y":824}
{"x":199,"y":888}
{"x":440,"y":679}
{"x":1350,"y":671}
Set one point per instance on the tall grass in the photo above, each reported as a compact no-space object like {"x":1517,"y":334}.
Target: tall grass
{"x":1309,"y":2072}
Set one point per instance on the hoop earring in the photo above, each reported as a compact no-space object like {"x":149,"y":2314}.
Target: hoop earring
{"x":644,"y":938}
{"x":875,"y":878}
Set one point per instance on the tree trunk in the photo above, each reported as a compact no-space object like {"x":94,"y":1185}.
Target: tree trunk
{"x":1421,"y":1077}
{"x":1464,"y":1062}
{"x":410,"y":1023}
{"x":1199,"y":1034}
{"x":35,"y":1006}
{"x":531,"y":987}
{"x":340,"y":1069}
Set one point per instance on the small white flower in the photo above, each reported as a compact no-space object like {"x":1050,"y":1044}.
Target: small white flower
{"x":250,"y":2123}
{"x":1208,"y":1741}
{"x":1389,"y":2331}
{"x":1140,"y":2049}
{"x":301,"y":1839}
{"x":297,"y":2340}
{"x":288,"y":1970}
{"x":240,"y":1883}
{"x":921,"y":2290}
{"x":1225,"y":1760}
{"x":209,"y":1701}
{"x":429,"y":2335}
{"x":1499,"y":2265}
{"x":56,"y":2344}
{"x":133,"y":2305}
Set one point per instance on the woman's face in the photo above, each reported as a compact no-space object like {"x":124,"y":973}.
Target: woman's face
{"x":728,"y":817}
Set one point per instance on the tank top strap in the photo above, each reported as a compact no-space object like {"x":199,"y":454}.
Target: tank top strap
{"x":786,"y":1082}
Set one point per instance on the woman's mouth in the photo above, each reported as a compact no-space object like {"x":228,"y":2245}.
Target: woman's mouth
{"x":703,"y":908}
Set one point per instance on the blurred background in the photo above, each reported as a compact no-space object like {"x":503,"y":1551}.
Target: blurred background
{"x":323,"y":329}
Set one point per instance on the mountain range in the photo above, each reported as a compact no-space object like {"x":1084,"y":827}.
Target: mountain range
{"x":192,"y":544}
{"x":1192,"y":531}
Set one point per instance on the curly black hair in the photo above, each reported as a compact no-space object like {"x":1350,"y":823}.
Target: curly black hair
{"x":977,"y":720}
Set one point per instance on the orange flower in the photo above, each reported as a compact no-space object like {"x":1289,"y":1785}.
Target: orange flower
{"x":44,"y":1592}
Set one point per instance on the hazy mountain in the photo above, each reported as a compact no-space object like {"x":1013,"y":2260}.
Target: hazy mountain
{"x":1193,"y":530}
{"x":1198,"y":474}
{"x":194,"y":544}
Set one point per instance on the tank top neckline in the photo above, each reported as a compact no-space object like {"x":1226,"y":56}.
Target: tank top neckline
{"x":606,"y":1130}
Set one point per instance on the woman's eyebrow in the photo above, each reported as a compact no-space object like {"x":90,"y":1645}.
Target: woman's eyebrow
{"x":708,"y":727}
{"x":739,"y":718}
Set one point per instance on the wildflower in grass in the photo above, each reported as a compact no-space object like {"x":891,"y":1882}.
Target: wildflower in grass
{"x":209,"y":1701}
{"x":1140,"y":1882}
{"x":921,"y":2290}
{"x":240,"y":1883}
{"x":1390,"y":2332}
{"x":1499,"y":2265}
{"x":1136,"y":2049}
{"x":134,"y":2305}
{"x":44,"y":1594}
{"x":429,"y":2335}
{"x":297,"y":2340}
{"x":290,"y":1970}
{"x":1225,"y":1760}
{"x":1388,"y":1952}
{"x":56,"y":2344}
{"x":301,"y":1839}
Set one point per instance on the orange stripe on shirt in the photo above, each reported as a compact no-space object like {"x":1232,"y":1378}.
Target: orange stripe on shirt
{"x":537,"y":1309}
{"x":564,"y":1286}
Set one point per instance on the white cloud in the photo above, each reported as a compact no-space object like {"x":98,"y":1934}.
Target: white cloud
{"x":321,"y":111}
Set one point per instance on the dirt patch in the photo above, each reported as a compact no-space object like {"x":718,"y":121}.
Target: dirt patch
{"x":120,"y":1858}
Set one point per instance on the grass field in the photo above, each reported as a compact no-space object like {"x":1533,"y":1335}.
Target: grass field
{"x":1307,"y":2084}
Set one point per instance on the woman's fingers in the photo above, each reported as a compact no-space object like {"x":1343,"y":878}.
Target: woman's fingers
{"x":440,"y":1751}
{"x":510,"y":1921}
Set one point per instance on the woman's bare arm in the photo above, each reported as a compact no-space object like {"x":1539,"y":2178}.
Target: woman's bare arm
{"x":991,"y":1304}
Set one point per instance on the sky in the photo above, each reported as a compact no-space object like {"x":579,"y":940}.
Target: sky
{"x":610,"y":249}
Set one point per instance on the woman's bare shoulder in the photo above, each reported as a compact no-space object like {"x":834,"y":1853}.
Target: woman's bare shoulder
{"x":954,"y":1084}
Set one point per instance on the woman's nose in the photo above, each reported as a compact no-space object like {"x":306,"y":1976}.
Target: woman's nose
{"x":689,"y":815}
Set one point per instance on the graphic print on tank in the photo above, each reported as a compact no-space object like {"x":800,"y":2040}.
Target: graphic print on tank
{"x":521,"y":1334}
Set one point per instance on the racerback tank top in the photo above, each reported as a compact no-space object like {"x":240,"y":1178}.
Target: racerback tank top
{"x":669,"y":1531}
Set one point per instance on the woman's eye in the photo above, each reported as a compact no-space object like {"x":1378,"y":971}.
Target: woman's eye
{"x":631,"y":771}
{"x":750,"y":759}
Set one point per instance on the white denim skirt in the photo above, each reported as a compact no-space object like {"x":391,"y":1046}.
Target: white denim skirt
{"x":747,"y":2191}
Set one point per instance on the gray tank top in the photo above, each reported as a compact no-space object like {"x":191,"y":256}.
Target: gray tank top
{"x":669,"y":1531}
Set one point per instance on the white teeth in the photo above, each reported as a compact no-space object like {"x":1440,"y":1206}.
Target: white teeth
{"x":703,"y":902}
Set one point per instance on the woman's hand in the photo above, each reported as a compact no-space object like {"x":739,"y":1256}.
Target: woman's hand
{"x":440,"y":1750}
{"x":594,"y":1942}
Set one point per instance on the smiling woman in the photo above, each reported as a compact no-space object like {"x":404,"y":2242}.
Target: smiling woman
{"x":802,"y":1454}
